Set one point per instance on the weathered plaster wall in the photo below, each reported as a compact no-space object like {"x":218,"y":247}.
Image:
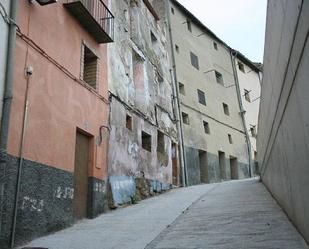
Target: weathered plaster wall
{"x":210,"y":59}
{"x":4,"y":28}
{"x":283,"y":125}
{"x":140,"y":86}
{"x":59,"y":104}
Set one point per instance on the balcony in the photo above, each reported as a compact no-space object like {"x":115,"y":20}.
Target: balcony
{"x":94,"y":16}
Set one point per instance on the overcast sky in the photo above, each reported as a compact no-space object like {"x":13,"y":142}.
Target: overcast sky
{"x":239,"y":23}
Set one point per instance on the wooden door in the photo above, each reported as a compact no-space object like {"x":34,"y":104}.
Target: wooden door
{"x":81,"y":175}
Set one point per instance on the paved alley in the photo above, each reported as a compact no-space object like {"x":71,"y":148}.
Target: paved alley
{"x":237,"y":214}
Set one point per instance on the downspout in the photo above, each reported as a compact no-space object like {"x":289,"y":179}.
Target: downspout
{"x":233,"y":55}
{"x":176,"y":99}
{"x":8,"y":93}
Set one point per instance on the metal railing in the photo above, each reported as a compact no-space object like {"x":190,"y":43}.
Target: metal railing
{"x":100,"y":13}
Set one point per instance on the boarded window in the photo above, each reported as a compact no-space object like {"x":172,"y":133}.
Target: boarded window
{"x":241,"y":67}
{"x":129,"y":124}
{"x":215,"y":45}
{"x":185,"y":118}
{"x":201,"y":97}
{"x":247,"y":95}
{"x":89,"y":67}
{"x":219,"y":77}
{"x":230,"y":138}
{"x":146,"y":141}
{"x":226,"y":109}
{"x":194,"y":60}
{"x":160,"y":142}
{"x":206,"y":127}
{"x":182,"y":88}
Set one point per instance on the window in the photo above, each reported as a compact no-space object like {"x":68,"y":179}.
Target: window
{"x":173,"y":11}
{"x":253,"y":130}
{"x":194,"y":60}
{"x":241,"y":67}
{"x":160,"y":84}
{"x":201,"y":97}
{"x":189,"y":25}
{"x":206,"y":127}
{"x":129,"y":122}
{"x":185,"y":118}
{"x":138,"y":69}
{"x":226,"y":109}
{"x":230,"y":138}
{"x":247,"y":95}
{"x":153,"y":38}
{"x":182,"y":88}
{"x":215,"y":45}
{"x":89,"y":67}
{"x":219,"y":77}
{"x":146,"y":141}
{"x":160,"y":142}
{"x":177,"y":48}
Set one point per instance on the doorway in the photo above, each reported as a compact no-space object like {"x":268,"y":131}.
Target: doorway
{"x":221,"y":155}
{"x":81,"y":175}
{"x":234,"y":167}
{"x":175,"y":172}
{"x":203,"y":160}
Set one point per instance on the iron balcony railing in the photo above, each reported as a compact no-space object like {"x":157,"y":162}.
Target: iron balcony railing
{"x":100,"y":13}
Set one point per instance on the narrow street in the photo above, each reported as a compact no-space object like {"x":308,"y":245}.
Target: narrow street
{"x":236,"y":214}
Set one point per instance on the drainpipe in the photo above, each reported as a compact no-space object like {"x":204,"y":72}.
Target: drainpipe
{"x":8,"y":92}
{"x":233,"y":55}
{"x":177,"y":104}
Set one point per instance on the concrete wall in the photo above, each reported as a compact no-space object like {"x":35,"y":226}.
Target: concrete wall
{"x":4,"y":27}
{"x":60,"y":102}
{"x":283,"y":125}
{"x":143,"y":92}
{"x":201,"y":44}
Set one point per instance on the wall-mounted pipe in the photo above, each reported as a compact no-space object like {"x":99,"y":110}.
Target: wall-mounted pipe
{"x":176,"y":98}
{"x":8,"y":90}
{"x":233,"y":55}
{"x":21,"y":154}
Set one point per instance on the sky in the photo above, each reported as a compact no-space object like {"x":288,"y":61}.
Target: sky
{"x":239,"y":23}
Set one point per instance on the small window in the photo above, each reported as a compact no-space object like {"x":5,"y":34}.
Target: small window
{"x":255,"y":155}
{"x":185,"y":118}
{"x":189,"y":25}
{"x":219,"y":77}
{"x":215,"y":45}
{"x":129,"y":122}
{"x":201,"y":97}
{"x":160,"y":142}
{"x":146,"y":141}
{"x":90,"y":66}
{"x":253,"y":130}
{"x":182,"y":88}
{"x":230,"y":138}
{"x":177,"y":48}
{"x":206,"y":127}
{"x":173,"y":11}
{"x":226,"y":109}
{"x":241,"y":67}
{"x":247,"y":95}
{"x":153,"y":38}
{"x":160,"y":84}
{"x":194,"y":60}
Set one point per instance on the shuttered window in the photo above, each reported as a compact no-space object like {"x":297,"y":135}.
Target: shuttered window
{"x":89,"y":67}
